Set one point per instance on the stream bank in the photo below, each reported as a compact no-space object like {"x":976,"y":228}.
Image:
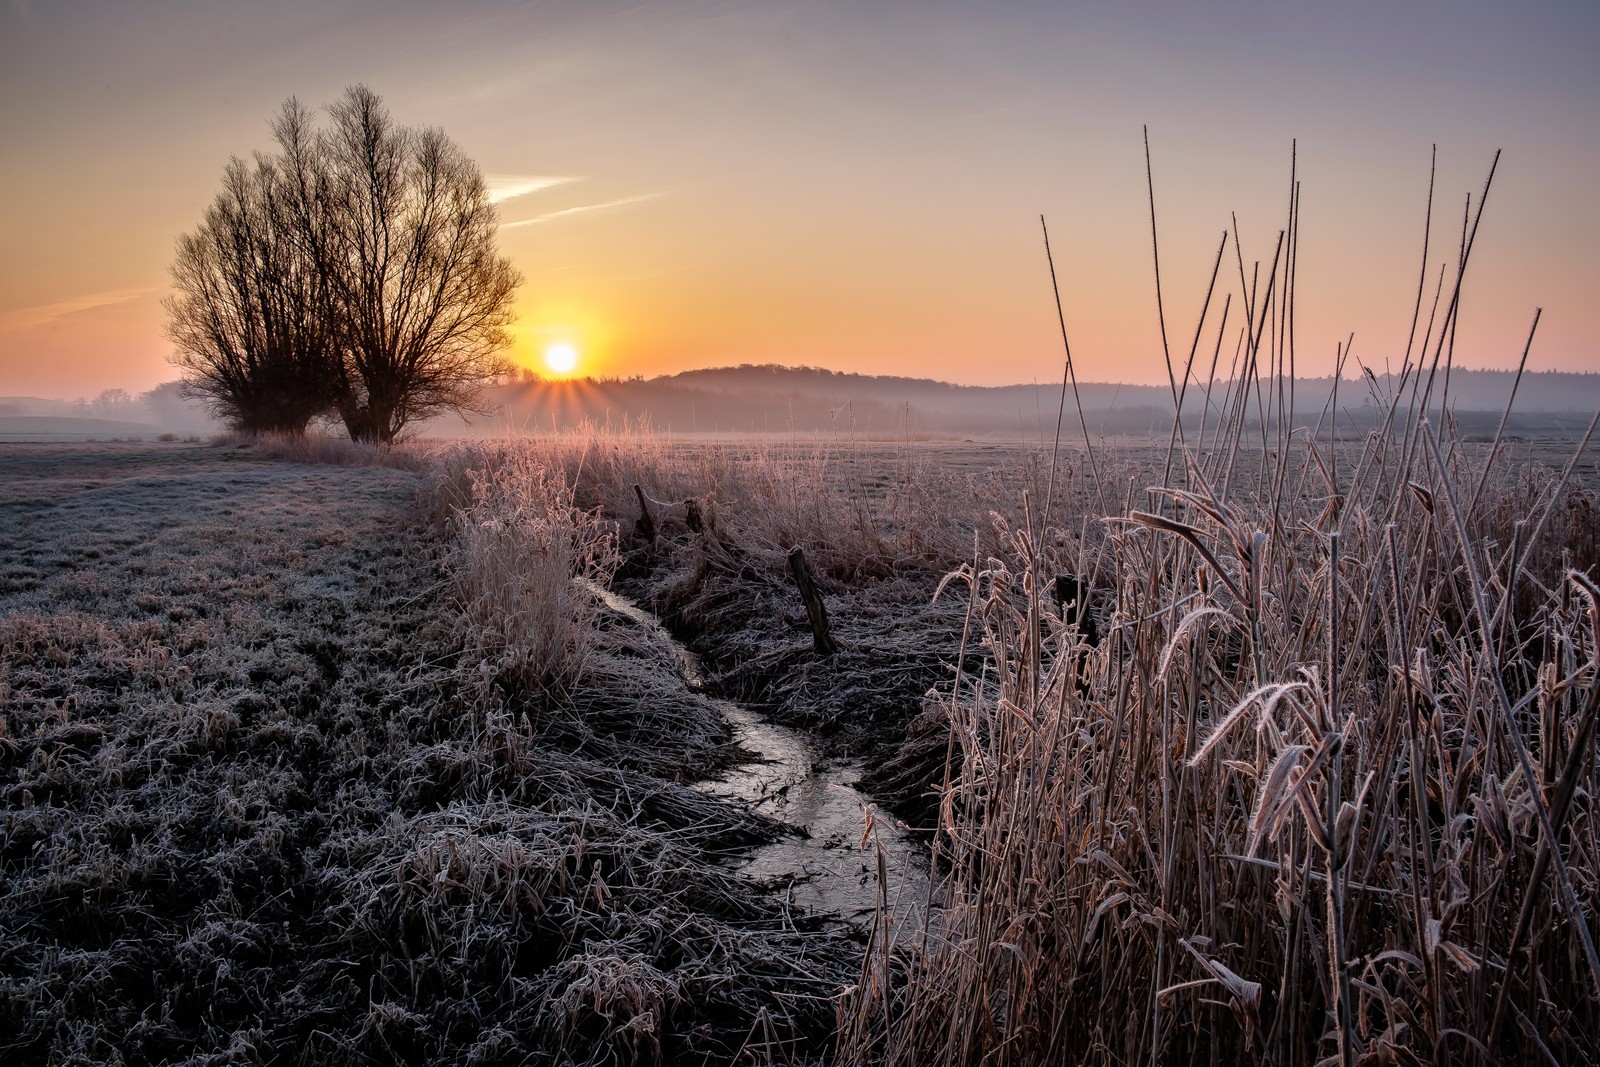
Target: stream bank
{"x":828,"y":860}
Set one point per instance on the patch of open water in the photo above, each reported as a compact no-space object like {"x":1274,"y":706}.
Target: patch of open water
{"x":830,"y":863}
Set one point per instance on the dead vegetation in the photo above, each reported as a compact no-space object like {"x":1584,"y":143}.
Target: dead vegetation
{"x":1324,"y":790}
{"x":880,"y":524}
{"x":1298,"y":806}
{"x":277,"y":778}
{"x":1278,"y":811}
{"x":258,"y":805}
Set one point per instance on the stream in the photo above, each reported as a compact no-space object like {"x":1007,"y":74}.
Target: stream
{"x":828,"y":863}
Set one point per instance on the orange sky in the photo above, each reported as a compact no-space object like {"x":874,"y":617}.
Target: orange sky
{"x":799,"y":182}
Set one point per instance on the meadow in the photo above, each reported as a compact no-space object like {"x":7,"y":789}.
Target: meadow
{"x":267,"y":797}
{"x":321,"y":753}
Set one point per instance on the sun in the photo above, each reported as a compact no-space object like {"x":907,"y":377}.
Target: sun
{"x":561,"y":357}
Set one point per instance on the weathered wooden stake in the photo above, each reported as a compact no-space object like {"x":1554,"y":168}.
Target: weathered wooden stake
{"x":646,"y":526}
{"x":692,"y":516}
{"x":822,"y":641}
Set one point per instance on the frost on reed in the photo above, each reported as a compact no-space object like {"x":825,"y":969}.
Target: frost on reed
{"x":1324,"y":793}
{"x":879,"y":523}
{"x":863,"y":510}
{"x":1298,"y":805}
{"x":519,"y":541}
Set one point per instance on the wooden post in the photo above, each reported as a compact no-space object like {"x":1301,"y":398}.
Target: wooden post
{"x":646,"y":526}
{"x":692,"y":516}
{"x":822,"y":642}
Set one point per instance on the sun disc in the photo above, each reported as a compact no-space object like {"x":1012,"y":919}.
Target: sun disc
{"x":561,"y":357}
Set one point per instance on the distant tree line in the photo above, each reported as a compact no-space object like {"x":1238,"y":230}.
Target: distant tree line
{"x":352,"y":275}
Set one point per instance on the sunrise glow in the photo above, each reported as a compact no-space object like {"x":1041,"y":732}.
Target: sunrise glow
{"x":705,"y":185}
{"x":434,"y":439}
{"x":561,"y":358}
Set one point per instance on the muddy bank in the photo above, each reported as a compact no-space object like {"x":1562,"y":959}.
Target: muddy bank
{"x":867,"y":706}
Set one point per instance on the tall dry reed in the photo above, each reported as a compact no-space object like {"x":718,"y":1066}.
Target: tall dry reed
{"x":1325,"y":791}
{"x":520,"y":541}
{"x":863,"y":510}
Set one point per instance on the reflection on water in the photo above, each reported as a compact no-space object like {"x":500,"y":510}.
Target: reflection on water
{"x":830,"y":864}
{"x":833,"y":867}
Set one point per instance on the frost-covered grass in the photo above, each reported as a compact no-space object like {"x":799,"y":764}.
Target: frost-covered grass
{"x":258,"y":806}
{"x":1319,"y":787}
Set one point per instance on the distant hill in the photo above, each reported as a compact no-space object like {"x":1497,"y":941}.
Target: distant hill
{"x":770,"y":398}
{"x":1547,"y":392}
{"x":1540,"y":392}
{"x":114,"y":413}
{"x":14,"y":428}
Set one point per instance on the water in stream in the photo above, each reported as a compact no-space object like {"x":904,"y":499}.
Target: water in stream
{"x":830,"y":863}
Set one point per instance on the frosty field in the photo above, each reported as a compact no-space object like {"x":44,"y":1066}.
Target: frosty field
{"x":253,"y":812}
{"x":349,"y":762}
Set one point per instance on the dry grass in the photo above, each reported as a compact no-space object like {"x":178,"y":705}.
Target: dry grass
{"x":1323,"y":793}
{"x":245,"y":755}
{"x":518,"y":542}
{"x":864,"y":510}
{"x":258,"y":805}
{"x":321,"y":448}
{"x":1247,"y":825}
{"x":1283,"y":813}
{"x":880,"y":524}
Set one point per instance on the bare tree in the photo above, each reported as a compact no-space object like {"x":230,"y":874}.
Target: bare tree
{"x":112,"y":402}
{"x":400,"y":226}
{"x":246,"y":318}
{"x":360,"y":261}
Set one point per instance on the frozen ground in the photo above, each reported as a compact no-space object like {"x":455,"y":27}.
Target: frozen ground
{"x":254,"y":806}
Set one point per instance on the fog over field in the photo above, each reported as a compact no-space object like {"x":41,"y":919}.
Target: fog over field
{"x":774,"y":399}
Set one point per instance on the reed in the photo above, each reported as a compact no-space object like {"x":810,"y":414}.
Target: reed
{"x":1325,"y":791}
{"x":519,"y":541}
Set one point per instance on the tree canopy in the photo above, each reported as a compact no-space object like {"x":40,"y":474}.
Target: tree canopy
{"x":352,"y":274}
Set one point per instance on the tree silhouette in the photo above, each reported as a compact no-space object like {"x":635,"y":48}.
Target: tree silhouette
{"x":252,"y":337}
{"x":384,"y":236}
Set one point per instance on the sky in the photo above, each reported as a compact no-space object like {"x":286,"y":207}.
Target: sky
{"x":843,"y":185}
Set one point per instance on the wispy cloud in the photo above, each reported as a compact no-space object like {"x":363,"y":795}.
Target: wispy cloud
{"x":551,"y":216}
{"x":503,"y":187}
{"x":43,"y":314}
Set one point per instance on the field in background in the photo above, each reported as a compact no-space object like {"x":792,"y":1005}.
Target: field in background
{"x":42,"y":429}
